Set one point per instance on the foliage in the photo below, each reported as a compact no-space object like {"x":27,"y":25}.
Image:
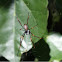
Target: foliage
{"x":47,"y":48}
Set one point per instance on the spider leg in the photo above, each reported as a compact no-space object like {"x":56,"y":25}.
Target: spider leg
{"x":22,"y":37}
{"x":33,"y":27}
{"x":36,"y":36}
{"x":27,"y":18}
{"x":19,"y":21}
{"x":32,"y":41}
{"x":19,"y":47}
{"x":20,"y":42}
{"x":22,"y":30}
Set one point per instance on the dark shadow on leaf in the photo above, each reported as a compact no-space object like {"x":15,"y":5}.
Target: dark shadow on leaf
{"x":5,"y":3}
{"x":3,"y":59}
{"x":42,"y":51}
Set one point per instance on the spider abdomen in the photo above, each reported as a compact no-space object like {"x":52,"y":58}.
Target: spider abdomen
{"x":27,"y":32}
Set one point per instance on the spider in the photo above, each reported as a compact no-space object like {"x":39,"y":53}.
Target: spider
{"x":27,"y":31}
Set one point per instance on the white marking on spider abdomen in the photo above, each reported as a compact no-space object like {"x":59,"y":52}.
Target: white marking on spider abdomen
{"x":28,"y":32}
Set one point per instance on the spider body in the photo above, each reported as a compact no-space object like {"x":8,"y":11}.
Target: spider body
{"x":27,"y":31}
{"x":25,"y":27}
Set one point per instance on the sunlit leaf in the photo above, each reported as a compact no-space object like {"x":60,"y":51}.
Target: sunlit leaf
{"x":55,"y":44}
{"x":7,"y":33}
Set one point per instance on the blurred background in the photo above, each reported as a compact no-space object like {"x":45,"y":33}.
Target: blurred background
{"x":5,"y":25}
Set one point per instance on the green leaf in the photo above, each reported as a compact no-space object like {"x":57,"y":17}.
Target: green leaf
{"x":38,"y":15}
{"x":7,"y":32}
{"x":55,"y":44}
{"x":9,"y":29}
